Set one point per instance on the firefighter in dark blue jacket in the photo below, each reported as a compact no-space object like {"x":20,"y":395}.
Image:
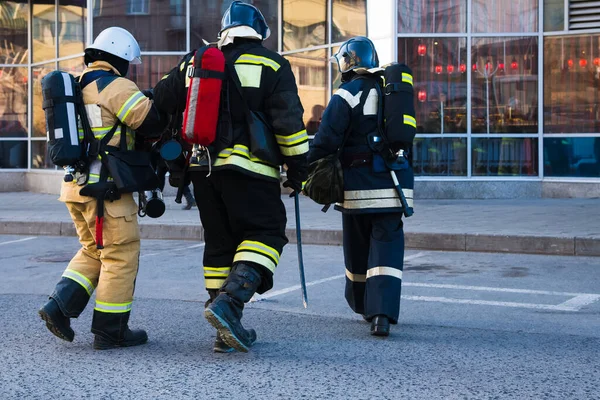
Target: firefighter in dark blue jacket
{"x":372,"y":209}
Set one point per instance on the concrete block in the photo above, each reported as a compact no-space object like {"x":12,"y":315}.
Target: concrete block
{"x":435,"y":241}
{"x":314,"y":236}
{"x":67,"y":229}
{"x":172,"y":232}
{"x":578,"y":190}
{"x":12,"y":181}
{"x":32,"y":228}
{"x":521,"y":244}
{"x":589,"y":247}
{"x":492,"y":189}
{"x":44,"y":181}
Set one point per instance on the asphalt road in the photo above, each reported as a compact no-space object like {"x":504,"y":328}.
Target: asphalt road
{"x":473,"y":326}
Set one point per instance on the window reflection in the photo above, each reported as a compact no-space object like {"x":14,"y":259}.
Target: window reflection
{"x":566,"y":156}
{"x":437,"y":16}
{"x":13,"y":102}
{"x":39,"y":155}
{"x":434,"y":156}
{"x":156,"y":25}
{"x":572,"y":84}
{"x":304,"y":23}
{"x":13,"y":154}
{"x":504,"y":85}
{"x":72,"y":16}
{"x":310,"y":70}
{"x":440,"y":82}
{"x":74,"y":66}
{"x":349,"y":19}
{"x":13,"y":31}
{"x":43,"y":32}
{"x":505,"y":16}
{"x":505,"y":156}
{"x":147,"y":74}
{"x":39,"y":118}
{"x":554,"y":15}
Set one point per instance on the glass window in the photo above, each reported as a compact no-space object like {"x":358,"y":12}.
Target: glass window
{"x":505,"y":16}
{"x":565,"y":156}
{"x":310,"y":70}
{"x":304,"y":23}
{"x":156,"y":25}
{"x":13,"y":154}
{"x":72,"y":21}
{"x":554,"y":15}
{"x":13,"y":102}
{"x":13,"y":31}
{"x":336,"y":77}
{"x":349,"y":19}
{"x":505,"y":156}
{"x":39,"y":118}
{"x":74,"y":66}
{"x":504,"y":85}
{"x":44,"y":32}
{"x":572,"y":84}
{"x":147,"y":74}
{"x":206,"y":18}
{"x":436,"y":156}
{"x":439,"y":68}
{"x":39,"y":155}
{"x":436,"y":16}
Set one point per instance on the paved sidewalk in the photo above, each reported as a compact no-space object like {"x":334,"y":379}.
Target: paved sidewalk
{"x":536,"y":226}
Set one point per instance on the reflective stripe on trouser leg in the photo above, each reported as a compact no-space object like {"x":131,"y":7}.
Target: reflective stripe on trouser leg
{"x":384,"y":275}
{"x":214,"y":277}
{"x":257,"y":252}
{"x":356,"y":236}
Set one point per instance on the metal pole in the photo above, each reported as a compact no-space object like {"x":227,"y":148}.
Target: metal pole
{"x":299,"y":245}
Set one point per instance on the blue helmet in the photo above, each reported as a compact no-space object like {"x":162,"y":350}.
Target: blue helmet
{"x":356,"y":53}
{"x":244,"y":14}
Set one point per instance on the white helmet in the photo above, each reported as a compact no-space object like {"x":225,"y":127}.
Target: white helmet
{"x":118,"y":42}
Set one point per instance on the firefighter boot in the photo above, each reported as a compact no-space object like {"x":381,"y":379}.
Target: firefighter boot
{"x":67,"y":301}
{"x":225,"y":312}
{"x":380,"y":326}
{"x":189,"y":200}
{"x":220,"y":346}
{"x":112,"y":331}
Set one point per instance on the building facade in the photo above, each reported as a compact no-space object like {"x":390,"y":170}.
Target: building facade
{"x":506,"y":92}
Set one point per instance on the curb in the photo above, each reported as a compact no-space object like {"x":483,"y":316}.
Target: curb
{"x":521,"y":244}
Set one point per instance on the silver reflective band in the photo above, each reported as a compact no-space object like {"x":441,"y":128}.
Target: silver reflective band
{"x":387,"y":271}
{"x":352,"y":101}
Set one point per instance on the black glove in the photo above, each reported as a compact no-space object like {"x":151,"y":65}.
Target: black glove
{"x":295,"y":182}
{"x":149,"y":93}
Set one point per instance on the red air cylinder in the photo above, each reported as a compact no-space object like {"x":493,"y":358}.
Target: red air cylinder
{"x":204,"y":97}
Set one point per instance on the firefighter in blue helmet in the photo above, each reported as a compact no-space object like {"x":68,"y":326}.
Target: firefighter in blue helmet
{"x":373,"y":237}
{"x":238,"y":194}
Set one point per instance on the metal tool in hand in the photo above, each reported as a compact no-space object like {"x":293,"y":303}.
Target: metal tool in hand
{"x":299,"y":245}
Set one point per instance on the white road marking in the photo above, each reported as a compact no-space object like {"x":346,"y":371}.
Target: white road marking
{"x":174,"y":249}
{"x":576,"y":303}
{"x":279,"y":292}
{"x":20,"y":240}
{"x":580,"y":301}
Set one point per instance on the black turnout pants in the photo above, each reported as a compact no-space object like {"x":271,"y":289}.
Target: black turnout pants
{"x":374,"y":256}
{"x":244,"y":221}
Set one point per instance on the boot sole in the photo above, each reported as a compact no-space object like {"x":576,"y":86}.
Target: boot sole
{"x":223,"y":350}
{"x":109,"y":346}
{"x":380,"y":333}
{"x":225,"y":331}
{"x":54,"y":329}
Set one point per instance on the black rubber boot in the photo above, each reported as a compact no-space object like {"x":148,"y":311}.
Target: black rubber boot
{"x":189,"y":200}
{"x":220,"y":346}
{"x":380,"y":326}
{"x":56,"y":322}
{"x":225,"y":312}
{"x":67,"y":301}
{"x":112,"y":331}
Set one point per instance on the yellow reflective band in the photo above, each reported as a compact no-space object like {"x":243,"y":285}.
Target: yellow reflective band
{"x":164,"y":77}
{"x":292,"y":139}
{"x":181,"y":66}
{"x":98,"y":132}
{"x":216,"y":272}
{"x":408,"y":120}
{"x":129,"y":104}
{"x":299,"y":149}
{"x":252,"y":245}
{"x":387,"y":271}
{"x":113,"y":307}
{"x":212,"y":283}
{"x":407,"y":78}
{"x":249,"y":75}
{"x":361,"y":278}
{"x":240,"y":157}
{"x":81,"y":279}
{"x":260,"y":259}
{"x":253,"y":59}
